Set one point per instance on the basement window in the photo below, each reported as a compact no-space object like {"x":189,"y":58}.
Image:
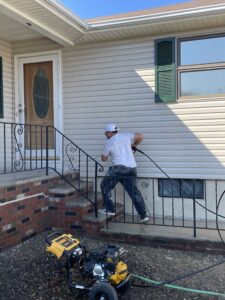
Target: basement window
{"x":181,"y":188}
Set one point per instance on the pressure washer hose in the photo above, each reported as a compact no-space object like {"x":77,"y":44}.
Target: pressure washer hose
{"x":177,"y":287}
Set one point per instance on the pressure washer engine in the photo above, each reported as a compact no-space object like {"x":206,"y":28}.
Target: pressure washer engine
{"x":102,"y":270}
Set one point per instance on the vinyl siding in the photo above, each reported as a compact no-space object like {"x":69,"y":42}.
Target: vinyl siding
{"x":8,"y":95}
{"x":34,"y":46}
{"x":115,"y":82}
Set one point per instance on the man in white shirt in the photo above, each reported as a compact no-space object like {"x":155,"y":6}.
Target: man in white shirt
{"x":119,"y":148}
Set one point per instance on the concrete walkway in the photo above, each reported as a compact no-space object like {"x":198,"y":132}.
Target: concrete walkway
{"x":167,"y":237}
{"x":165,"y":231}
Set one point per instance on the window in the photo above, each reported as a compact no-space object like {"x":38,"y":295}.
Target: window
{"x":202,"y":51}
{"x":201,"y":67}
{"x":1,"y":89}
{"x":193,"y":83}
{"x":190,"y":67}
{"x":41,"y":93}
{"x":181,"y":188}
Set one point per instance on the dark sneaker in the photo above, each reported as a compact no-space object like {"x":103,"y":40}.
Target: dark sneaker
{"x":104,"y":211}
{"x":144,"y":219}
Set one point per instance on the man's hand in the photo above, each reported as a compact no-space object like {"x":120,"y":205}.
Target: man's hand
{"x":104,"y":158}
{"x":134,"y":148}
{"x":138,"y":137}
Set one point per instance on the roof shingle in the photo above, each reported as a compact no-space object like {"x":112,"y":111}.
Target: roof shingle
{"x":163,"y":9}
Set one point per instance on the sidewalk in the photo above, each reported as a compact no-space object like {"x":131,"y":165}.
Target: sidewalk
{"x":168,"y":237}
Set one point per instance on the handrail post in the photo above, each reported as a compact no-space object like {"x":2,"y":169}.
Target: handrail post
{"x":194,"y":209}
{"x":95,"y":200}
{"x":47,"y":150}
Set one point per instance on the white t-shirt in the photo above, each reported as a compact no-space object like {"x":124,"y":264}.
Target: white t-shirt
{"x":119,"y":148}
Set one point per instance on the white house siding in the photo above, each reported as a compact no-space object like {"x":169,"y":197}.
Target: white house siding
{"x":34,"y":46}
{"x":114,"y":82}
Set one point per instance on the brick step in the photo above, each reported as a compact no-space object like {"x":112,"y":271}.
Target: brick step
{"x":82,"y":201}
{"x":67,"y":210}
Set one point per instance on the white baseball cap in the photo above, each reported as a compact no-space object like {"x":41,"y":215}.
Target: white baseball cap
{"x":111,"y":127}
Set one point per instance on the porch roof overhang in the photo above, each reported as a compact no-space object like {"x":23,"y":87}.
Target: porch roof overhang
{"x":29,"y":19}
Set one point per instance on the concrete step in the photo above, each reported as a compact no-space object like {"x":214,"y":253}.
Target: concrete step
{"x":83,"y":202}
{"x":92,"y":226}
{"x":101,"y":217}
{"x":67,"y":189}
{"x":165,"y":236}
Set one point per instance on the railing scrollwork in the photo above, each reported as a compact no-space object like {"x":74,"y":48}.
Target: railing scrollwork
{"x":18,"y":133}
{"x":71,"y":150}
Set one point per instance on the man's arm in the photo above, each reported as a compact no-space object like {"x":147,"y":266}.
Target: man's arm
{"x":138,"y":137}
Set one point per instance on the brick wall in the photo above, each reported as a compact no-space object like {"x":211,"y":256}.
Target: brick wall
{"x":24,"y":210}
{"x":33,"y":206}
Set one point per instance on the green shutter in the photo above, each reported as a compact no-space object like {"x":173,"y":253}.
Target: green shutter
{"x":1,"y":89}
{"x":165,"y":70}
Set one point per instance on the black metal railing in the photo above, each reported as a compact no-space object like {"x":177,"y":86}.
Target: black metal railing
{"x":72,"y":157}
{"x":189,"y":212}
{"x":28,"y":147}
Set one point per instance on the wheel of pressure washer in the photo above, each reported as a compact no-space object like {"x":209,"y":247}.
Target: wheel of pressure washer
{"x":103,"y":291}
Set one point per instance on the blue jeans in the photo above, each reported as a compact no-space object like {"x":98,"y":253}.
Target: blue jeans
{"x":128,"y":178}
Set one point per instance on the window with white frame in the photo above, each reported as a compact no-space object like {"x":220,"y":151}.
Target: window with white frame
{"x":201,"y":66}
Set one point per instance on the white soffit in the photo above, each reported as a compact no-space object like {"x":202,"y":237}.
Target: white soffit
{"x":11,"y":30}
{"x":43,"y":21}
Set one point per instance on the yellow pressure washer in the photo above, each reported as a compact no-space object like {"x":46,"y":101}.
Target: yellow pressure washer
{"x":102,"y":270}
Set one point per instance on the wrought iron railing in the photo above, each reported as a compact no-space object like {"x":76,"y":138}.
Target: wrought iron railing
{"x":189,"y":212}
{"x":180,"y":208}
{"x":28,"y":147}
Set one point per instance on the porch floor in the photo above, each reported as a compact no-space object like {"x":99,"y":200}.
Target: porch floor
{"x":23,"y":177}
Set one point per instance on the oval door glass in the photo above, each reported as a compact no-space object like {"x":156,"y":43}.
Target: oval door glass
{"x":41,"y":93}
